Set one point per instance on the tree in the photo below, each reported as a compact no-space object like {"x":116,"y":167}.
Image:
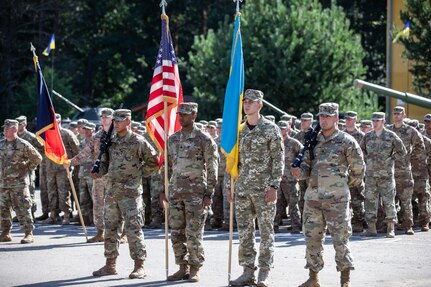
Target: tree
{"x":418,"y":44}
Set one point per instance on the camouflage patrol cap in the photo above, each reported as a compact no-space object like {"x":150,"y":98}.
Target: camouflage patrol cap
{"x":283,"y":124}
{"x":73,"y":125}
{"x":82,"y":122}
{"x":350,"y":115}
{"x":9,"y":123}
{"x":286,"y":117}
{"x":219,"y":122}
{"x":413,"y":123}
{"x":21,"y":119}
{"x":212,"y":124}
{"x":330,"y":109}
{"x":198,"y":125}
{"x":366,"y":124}
{"x":427,"y":118}
{"x":271,"y":118}
{"x":89,"y":126}
{"x":107,"y":112}
{"x":204,"y":123}
{"x":399,"y":110}
{"x":254,"y":95}
{"x":341,"y":121}
{"x":378,"y":116}
{"x":307,"y":116}
{"x":122,"y":114}
{"x":136,"y":125}
{"x":188,"y":108}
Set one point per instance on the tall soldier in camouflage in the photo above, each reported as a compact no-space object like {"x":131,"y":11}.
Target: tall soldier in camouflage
{"x":129,"y":155}
{"x":412,"y":141}
{"x":289,"y":184}
{"x":261,"y":166}
{"x":58,"y":184}
{"x":193,"y":164}
{"x":31,"y":138}
{"x":357,"y":194}
{"x":334,"y":167}
{"x":17,"y":158}
{"x":382,"y":148}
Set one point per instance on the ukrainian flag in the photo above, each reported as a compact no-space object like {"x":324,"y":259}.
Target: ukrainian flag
{"x":51,"y":46}
{"x":403,"y":33}
{"x":232,"y":111}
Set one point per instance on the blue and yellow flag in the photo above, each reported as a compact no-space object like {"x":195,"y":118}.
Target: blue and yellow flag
{"x":403,"y":33}
{"x":51,"y":46}
{"x":232,"y":110}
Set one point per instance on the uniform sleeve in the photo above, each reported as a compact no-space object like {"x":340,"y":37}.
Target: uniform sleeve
{"x":363,"y":145}
{"x":211,"y":161}
{"x":149,"y":157}
{"x":84,"y":154}
{"x":399,"y":153}
{"x":276,"y":152}
{"x":33,"y":156}
{"x":355,"y":160}
{"x":418,"y":151}
{"x":74,"y":144}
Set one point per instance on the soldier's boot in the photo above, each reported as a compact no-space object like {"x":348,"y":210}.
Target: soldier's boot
{"x":108,"y":269}
{"x":425,"y":227}
{"x":51,"y":219}
{"x":182,"y":274}
{"x":28,"y":237}
{"x":312,"y":281}
{"x":99,"y":237}
{"x":5,"y":235}
{"x":357,"y":228}
{"x":345,"y":278}
{"x":246,"y":278}
{"x":156,"y":223}
{"x":194,"y":274}
{"x":371,"y":231}
{"x":123,"y":237}
{"x":66,"y":219}
{"x":138,"y":272}
{"x":262,"y":277}
{"x":409,"y":231}
{"x":390,"y":233}
{"x":42,"y":217}
{"x":296,"y":230}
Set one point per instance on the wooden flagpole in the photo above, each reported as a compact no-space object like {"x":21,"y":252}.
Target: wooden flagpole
{"x":166,"y":177}
{"x":229,"y":265}
{"x":69,"y":176}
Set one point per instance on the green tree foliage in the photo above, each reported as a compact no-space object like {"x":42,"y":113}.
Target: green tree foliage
{"x":299,"y":54}
{"x":418,"y":44}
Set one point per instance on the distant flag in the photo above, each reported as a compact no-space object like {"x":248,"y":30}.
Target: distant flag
{"x":405,"y":32}
{"x":47,"y":129}
{"x":51,"y":46}
{"x":165,"y":86}
{"x":232,"y":111}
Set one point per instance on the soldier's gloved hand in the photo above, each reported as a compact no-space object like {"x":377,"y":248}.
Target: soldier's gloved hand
{"x":163,"y":200}
{"x":271,"y":195}
{"x":66,"y":164}
{"x":296,"y":171}
{"x":207,"y":201}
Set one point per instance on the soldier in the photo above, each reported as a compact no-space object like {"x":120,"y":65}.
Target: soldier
{"x":193,"y":164}
{"x":427,"y":123}
{"x":17,"y":158}
{"x":357,"y":194}
{"x":413,"y":142}
{"x":129,"y":155}
{"x":289,"y":184}
{"x":73,"y":127}
{"x":381,"y":149}
{"x":288,"y":119}
{"x":261,"y":165}
{"x":271,"y":118}
{"x":336,"y":167}
{"x":365,"y":126}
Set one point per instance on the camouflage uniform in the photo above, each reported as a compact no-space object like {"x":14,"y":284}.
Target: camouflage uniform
{"x":337,"y":166}
{"x":129,"y":156}
{"x":218,"y":205}
{"x":300,"y":136}
{"x":193,"y":165}
{"x":17,"y":159}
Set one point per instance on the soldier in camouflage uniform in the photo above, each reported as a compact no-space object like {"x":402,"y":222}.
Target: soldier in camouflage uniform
{"x":129,"y":155}
{"x":336,"y":167}
{"x":357,"y":194}
{"x":365,"y":126}
{"x":382,"y":148}
{"x":193,"y":164}
{"x":261,"y":166}
{"x":31,"y":138}
{"x":427,"y":140}
{"x":17,"y":158}
{"x":412,"y":141}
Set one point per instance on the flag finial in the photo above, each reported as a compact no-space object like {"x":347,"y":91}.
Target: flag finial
{"x":237,"y":5}
{"x":35,"y":58}
{"x":163,"y":3}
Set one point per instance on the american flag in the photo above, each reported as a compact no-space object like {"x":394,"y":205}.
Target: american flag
{"x":165,"y":86}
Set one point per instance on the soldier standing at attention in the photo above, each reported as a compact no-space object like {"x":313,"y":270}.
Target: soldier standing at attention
{"x":337,"y":166}
{"x":17,"y":158}
{"x":261,"y":165}
{"x":382,"y":148}
{"x":129,"y":155}
{"x":193,"y":163}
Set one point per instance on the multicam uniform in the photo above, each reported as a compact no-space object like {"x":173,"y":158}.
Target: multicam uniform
{"x":219,"y":206}
{"x":300,"y":136}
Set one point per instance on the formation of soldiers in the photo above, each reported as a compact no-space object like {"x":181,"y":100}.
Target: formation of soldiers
{"x":376,"y":176}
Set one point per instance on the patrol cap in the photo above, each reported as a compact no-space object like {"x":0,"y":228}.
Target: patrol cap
{"x":330,"y":109}
{"x":342,"y":121}
{"x":136,"y":125}
{"x":366,"y":124}
{"x":378,"y":116}
{"x":286,"y":117}
{"x":122,"y":114}
{"x":73,"y":125}
{"x":9,"y":123}
{"x":82,"y":122}
{"x":427,"y":118}
{"x":307,"y":116}
{"x":399,"y":110}
{"x":89,"y":126}
{"x":204,"y":123}
{"x":271,"y":118}
{"x":413,"y":123}
{"x":107,"y":112}
{"x":188,"y":108}
{"x":254,"y":95}
{"x":350,"y":115}
{"x":212,"y":124}
{"x":219,"y":122}
{"x":58,"y":116}
{"x":21,"y":119}
{"x":198,"y":125}
{"x":283,"y":124}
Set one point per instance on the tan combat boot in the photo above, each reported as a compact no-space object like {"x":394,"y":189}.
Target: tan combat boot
{"x":313,"y":280}
{"x":409,"y":231}
{"x":425,"y":227}
{"x":262,"y":277}
{"x":345,"y":278}
{"x":194,"y":274}
{"x":138,"y":272}
{"x":108,"y":269}
{"x":51,"y":219}
{"x":99,"y":237}
{"x":28,"y":238}
{"x":246,"y":278}
{"x":5,"y":235}
{"x":371,"y":231}
{"x":182,"y":274}
{"x":66,"y":219}
{"x":390,"y":233}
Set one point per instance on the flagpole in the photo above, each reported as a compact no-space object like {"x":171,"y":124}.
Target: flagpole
{"x":229,"y":266}
{"x":81,"y":219}
{"x":52,"y":70}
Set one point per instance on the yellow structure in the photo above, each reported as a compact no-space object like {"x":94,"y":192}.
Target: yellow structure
{"x":398,"y":75}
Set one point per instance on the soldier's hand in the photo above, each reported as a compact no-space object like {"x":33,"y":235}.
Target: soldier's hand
{"x":296,"y":171}
{"x":66,"y":164}
{"x":230,"y":198}
{"x":163,"y":200}
{"x":271,"y":195}
{"x":207,"y":201}
{"x":94,"y":175}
